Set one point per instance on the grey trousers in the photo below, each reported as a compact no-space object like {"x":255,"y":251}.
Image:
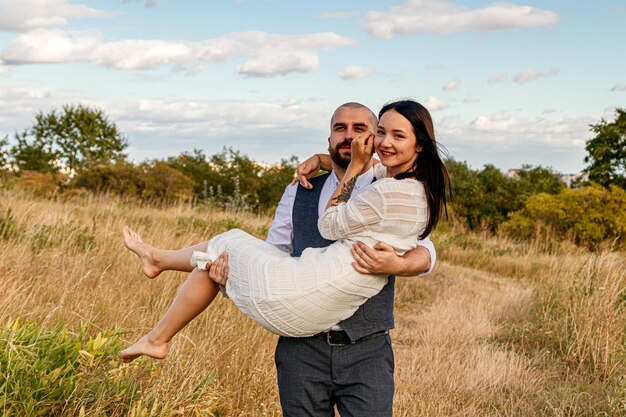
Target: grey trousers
{"x":313,"y":377}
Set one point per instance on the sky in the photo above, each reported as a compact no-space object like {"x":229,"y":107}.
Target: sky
{"x":507,"y":83}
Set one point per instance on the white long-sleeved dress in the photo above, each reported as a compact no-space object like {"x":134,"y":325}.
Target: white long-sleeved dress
{"x":303,"y":296}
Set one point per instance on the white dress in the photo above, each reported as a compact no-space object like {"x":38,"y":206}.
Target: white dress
{"x":303,"y":296}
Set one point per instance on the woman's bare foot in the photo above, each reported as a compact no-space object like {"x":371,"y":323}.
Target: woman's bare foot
{"x":145,"y":252}
{"x":145,"y":346}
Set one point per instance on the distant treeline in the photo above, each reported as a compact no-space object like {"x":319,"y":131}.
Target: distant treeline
{"x":535,"y":204}
{"x":78,"y":150}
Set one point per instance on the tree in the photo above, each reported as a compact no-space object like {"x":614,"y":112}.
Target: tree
{"x":607,"y":151}
{"x":484,"y":199}
{"x":30,"y":154}
{"x":77,"y":137}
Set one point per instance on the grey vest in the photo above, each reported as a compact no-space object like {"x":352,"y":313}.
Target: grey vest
{"x":377,"y":312}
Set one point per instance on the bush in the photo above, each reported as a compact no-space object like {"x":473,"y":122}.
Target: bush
{"x":49,"y":369}
{"x":57,"y":371}
{"x":120,"y":178}
{"x":588,"y":216}
{"x":164,"y":183}
{"x":483,"y":199}
{"x":35,"y":183}
{"x":153,"y":180}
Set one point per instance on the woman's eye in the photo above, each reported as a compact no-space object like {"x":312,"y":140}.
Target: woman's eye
{"x":380,"y":132}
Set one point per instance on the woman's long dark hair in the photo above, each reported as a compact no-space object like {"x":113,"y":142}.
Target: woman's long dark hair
{"x":428,"y":166}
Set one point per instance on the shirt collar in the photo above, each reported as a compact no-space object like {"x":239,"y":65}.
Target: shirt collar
{"x":362,"y":180}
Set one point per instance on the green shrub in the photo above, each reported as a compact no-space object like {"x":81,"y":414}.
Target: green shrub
{"x":44,"y":370}
{"x":60,"y":372}
{"x":587,"y":216}
{"x":483,"y":199}
{"x":164,"y":183}
{"x":152,"y":180}
{"x":121,"y":178}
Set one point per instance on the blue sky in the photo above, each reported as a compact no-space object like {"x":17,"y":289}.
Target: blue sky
{"x":506,"y":83}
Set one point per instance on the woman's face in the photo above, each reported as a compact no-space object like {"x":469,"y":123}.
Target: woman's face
{"x":395,"y":142}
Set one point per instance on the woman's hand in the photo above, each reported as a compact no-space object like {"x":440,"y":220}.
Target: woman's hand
{"x":310,"y":167}
{"x":362,"y":148}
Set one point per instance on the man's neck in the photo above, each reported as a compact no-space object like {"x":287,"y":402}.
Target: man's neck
{"x":340,"y":172}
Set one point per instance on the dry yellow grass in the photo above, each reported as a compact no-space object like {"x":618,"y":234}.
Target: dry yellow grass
{"x":497,"y":330}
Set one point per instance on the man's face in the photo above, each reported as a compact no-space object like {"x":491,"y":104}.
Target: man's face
{"x":345,"y":125}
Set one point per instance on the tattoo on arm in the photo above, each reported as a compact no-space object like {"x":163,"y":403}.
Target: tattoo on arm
{"x":345,"y":193}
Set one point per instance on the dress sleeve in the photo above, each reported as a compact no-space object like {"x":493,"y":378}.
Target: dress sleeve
{"x":350,"y":219}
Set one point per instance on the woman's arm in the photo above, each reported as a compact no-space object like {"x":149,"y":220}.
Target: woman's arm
{"x":362,"y":148}
{"x":310,"y":167}
{"x":341,"y":220}
{"x":313,"y":165}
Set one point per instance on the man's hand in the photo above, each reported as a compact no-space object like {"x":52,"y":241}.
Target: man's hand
{"x":382,"y":260}
{"x":218,"y":271}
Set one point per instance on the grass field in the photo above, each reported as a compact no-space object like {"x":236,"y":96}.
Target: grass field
{"x":499,"y":329}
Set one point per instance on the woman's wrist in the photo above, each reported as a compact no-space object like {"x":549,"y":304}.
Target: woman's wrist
{"x":325,"y":161}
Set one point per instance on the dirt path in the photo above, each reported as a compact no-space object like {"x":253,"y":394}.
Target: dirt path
{"x":446,"y":360}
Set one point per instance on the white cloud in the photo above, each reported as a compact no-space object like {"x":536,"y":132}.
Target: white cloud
{"x":619,"y":87}
{"x":442,"y":17}
{"x":502,"y":128}
{"x":266,"y":54}
{"x":147,"y":3}
{"x":279,"y":64}
{"x":497,"y":78}
{"x":451,"y":85}
{"x":510,"y":142}
{"x":432,"y":103}
{"x":532,"y":75}
{"x":23,"y":15}
{"x":265,"y":130}
{"x":352,"y":72}
{"x":337,"y":15}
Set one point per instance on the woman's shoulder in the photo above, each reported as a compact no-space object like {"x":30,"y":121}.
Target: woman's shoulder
{"x":380,"y":171}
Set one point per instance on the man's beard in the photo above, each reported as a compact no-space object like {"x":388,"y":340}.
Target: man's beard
{"x":337,"y":158}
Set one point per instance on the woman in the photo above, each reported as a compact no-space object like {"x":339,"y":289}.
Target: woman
{"x":306,"y":295}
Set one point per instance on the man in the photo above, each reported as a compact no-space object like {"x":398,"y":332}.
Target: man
{"x":351,"y":365}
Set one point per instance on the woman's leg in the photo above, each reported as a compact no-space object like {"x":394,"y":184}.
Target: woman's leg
{"x":155,"y":260}
{"x":194,"y":296}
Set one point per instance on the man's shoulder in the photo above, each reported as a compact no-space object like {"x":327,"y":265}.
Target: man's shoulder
{"x":320,"y":179}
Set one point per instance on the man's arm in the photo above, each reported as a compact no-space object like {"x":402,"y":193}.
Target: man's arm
{"x":382,"y":259}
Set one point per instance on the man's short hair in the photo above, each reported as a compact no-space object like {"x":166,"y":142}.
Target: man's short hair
{"x":355,"y":105}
